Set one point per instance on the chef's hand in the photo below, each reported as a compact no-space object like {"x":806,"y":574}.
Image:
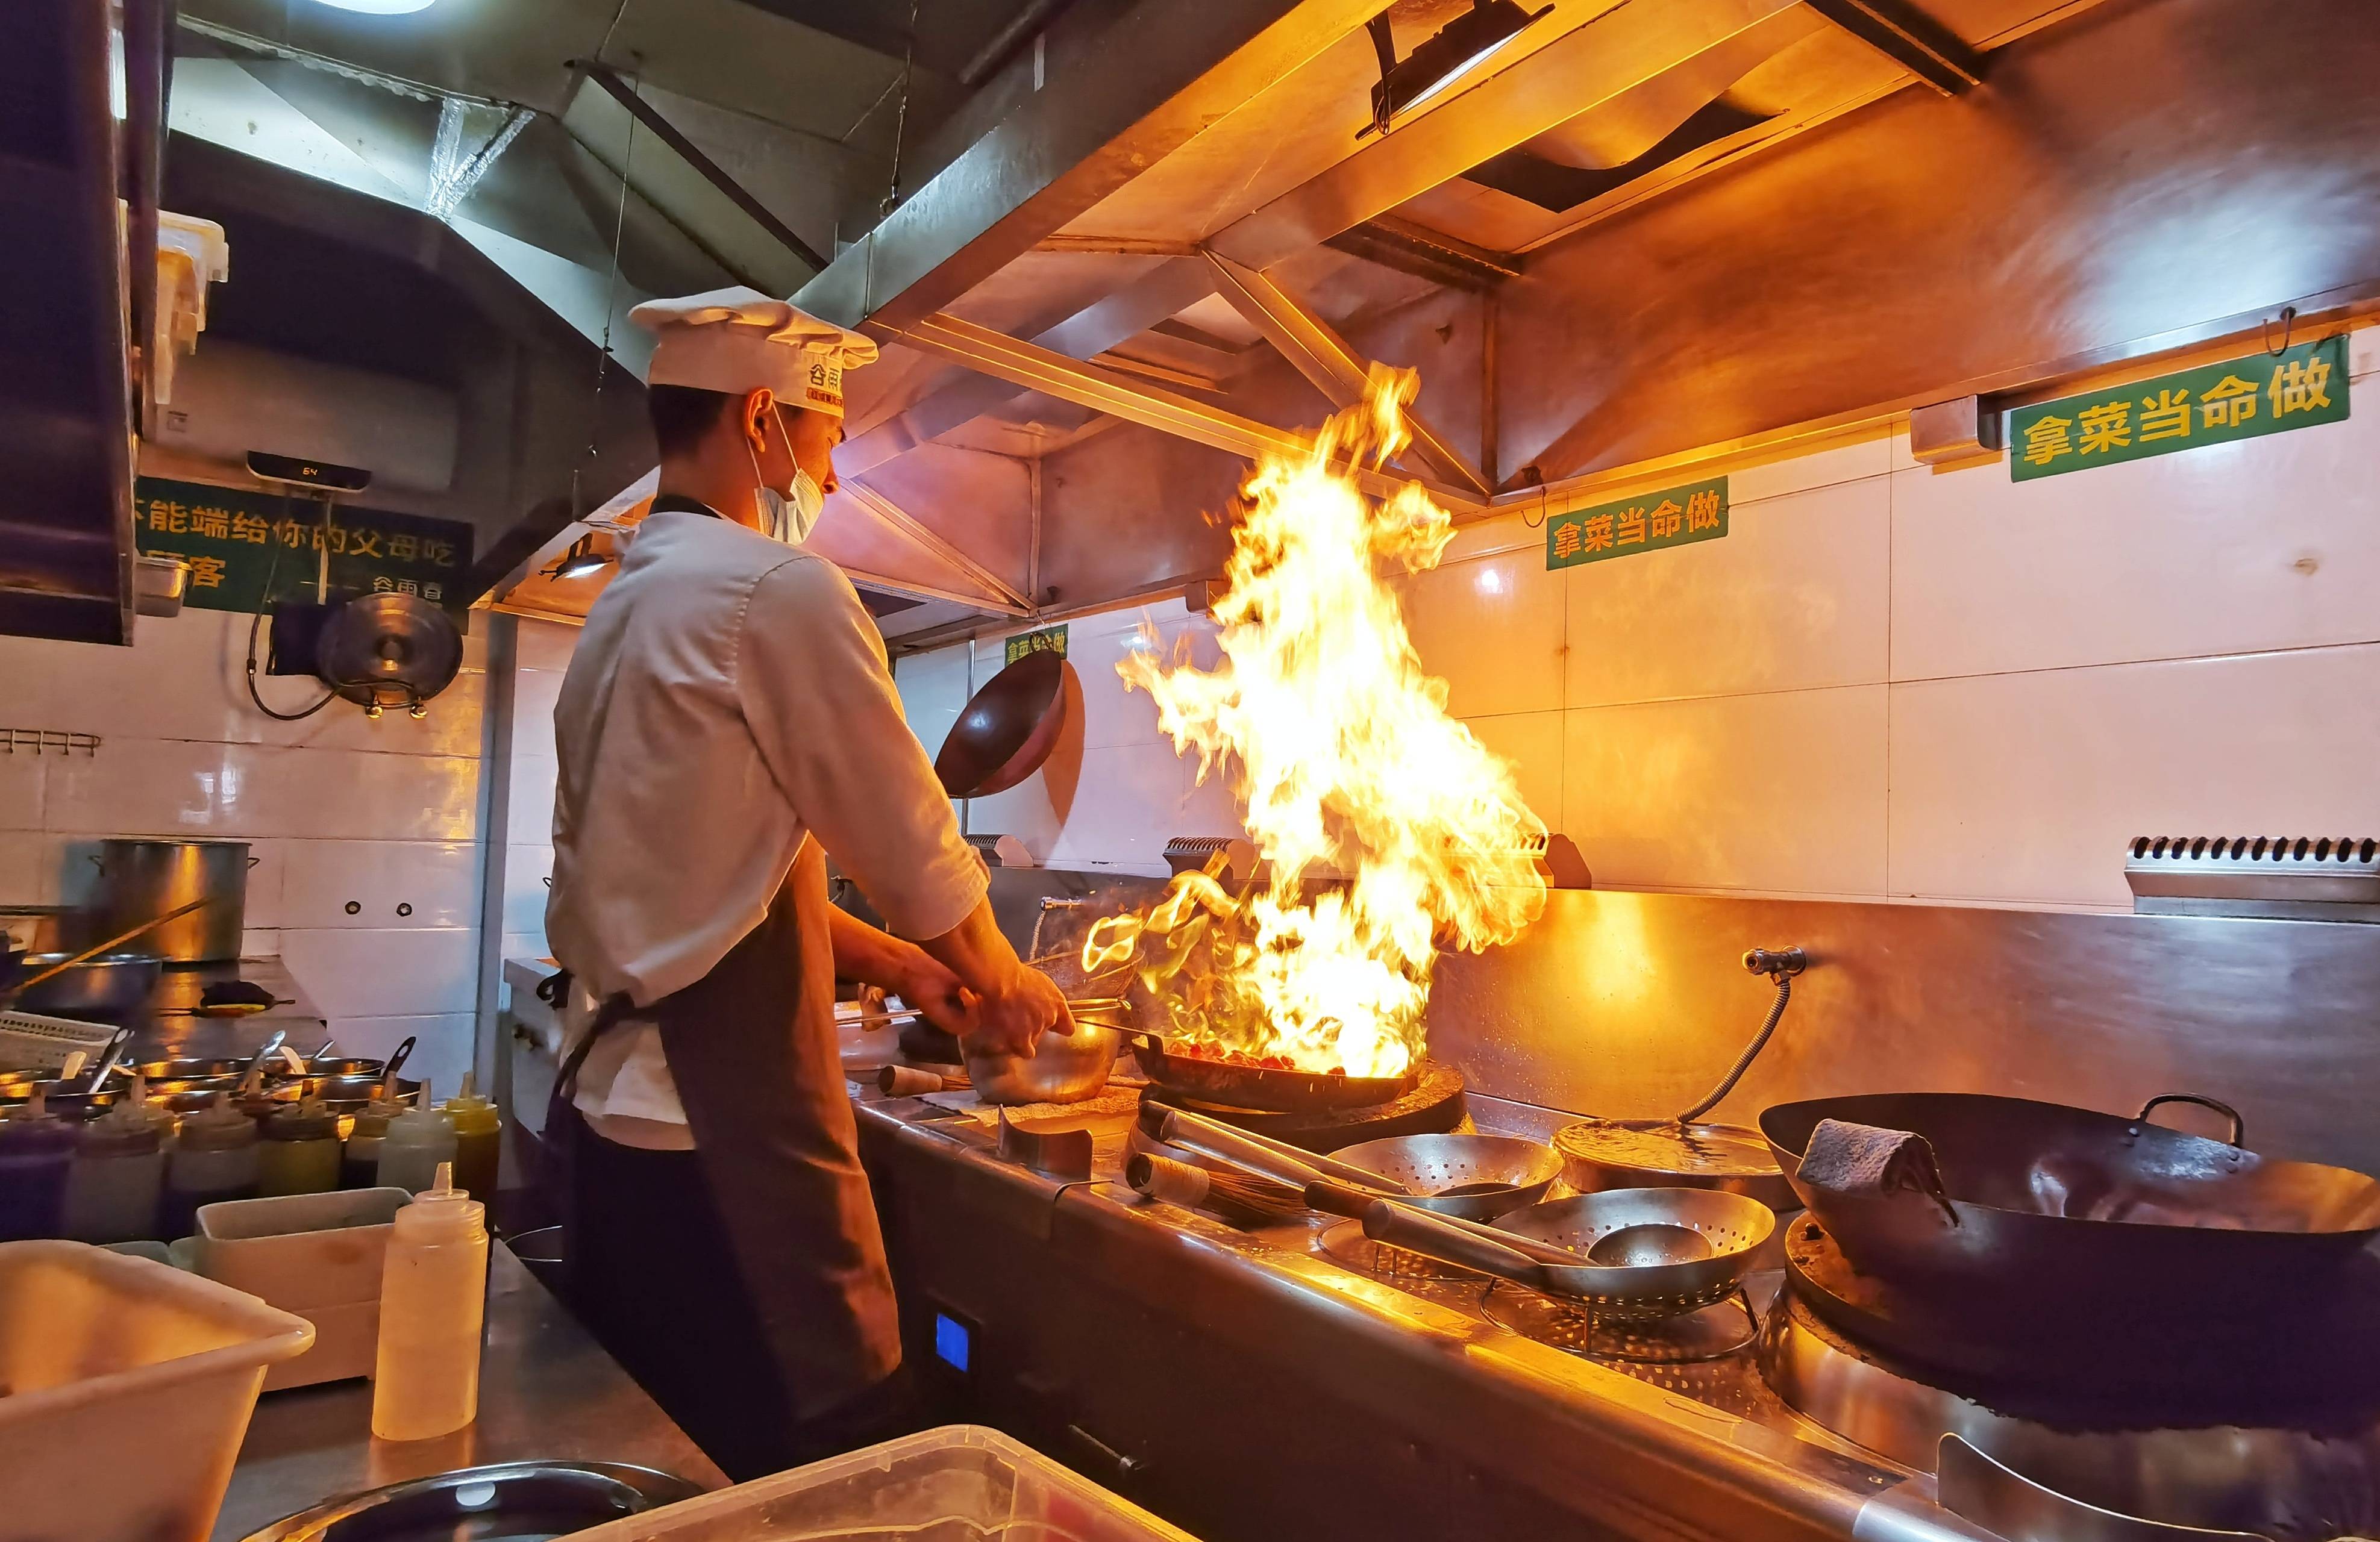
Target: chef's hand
{"x":937,"y":996}
{"x":1010,"y":1019}
{"x":1015,"y":1004}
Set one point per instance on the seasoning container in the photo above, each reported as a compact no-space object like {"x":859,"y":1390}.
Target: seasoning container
{"x":418,"y":1140}
{"x":359,"y":1158}
{"x":478,"y":1135}
{"x":433,"y":1296}
{"x":36,"y":1152}
{"x":300,"y":1153}
{"x":214,"y":1158}
{"x":118,"y":1178}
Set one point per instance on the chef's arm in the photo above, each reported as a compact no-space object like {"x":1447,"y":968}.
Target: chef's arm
{"x":1014,"y":1004}
{"x":877,"y":957}
{"x":824,"y":713}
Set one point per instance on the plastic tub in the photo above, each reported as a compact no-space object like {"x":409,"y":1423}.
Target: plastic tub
{"x":102,"y":1353}
{"x":958,"y":1484}
{"x":318,"y":1255}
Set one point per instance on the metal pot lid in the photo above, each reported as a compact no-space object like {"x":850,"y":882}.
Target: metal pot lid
{"x":514,"y":1500}
{"x":387,"y":641}
{"x":1669,"y":1149}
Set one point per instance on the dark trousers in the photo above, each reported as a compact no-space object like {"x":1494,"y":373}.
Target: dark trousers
{"x":652,"y":1276}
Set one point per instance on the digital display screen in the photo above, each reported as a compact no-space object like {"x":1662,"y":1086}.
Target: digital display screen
{"x":953,"y":1343}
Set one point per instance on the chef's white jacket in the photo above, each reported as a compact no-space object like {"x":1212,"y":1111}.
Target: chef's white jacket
{"x":729,"y":699}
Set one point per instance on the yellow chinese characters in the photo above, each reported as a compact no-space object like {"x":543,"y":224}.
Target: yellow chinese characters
{"x":1630,"y":527}
{"x":1667,"y":519}
{"x":2165,"y":415}
{"x":2048,"y":438}
{"x":1565,"y":540}
{"x":2300,"y":385}
{"x":1702,"y":510}
{"x":2229,"y":402}
{"x":1597,"y":533}
{"x":206,"y":572}
{"x":2106,"y":426}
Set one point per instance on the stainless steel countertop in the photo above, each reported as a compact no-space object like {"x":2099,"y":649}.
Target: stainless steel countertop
{"x":1625,"y":1443}
{"x":546,"y":1390}
{"x":165,"y":1028}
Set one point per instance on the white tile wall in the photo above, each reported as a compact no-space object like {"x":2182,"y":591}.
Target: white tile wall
{"x":1795,"y":595}
{"x":335,"y":807}
{"x":381,"y":971}
{"x":1777,"y":791}
{"x":2025,"y":786}
{"x":1886,"y":682}
{"x":2268,"y":543}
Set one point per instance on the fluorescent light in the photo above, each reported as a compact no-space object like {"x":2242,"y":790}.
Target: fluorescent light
{"x":380,"y":7}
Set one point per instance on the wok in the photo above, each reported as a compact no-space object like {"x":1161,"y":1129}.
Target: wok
{"x":1006,"y":729}
{"x":2092,"y":1212}
{"x":1257,"y":1087}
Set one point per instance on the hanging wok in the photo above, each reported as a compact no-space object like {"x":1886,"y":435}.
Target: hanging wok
{"x":1007,"y":729}
{"x":2085,"y":1212}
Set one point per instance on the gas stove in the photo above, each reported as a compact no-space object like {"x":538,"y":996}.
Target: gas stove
{"x":2288,"y":1450}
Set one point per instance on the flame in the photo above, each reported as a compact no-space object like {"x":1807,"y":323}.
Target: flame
{"x":1383,"y":825}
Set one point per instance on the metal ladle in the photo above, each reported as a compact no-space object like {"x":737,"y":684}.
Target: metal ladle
{"x":1649,"y":1243}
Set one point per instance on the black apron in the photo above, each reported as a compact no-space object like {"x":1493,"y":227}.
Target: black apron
{"x":752,"y":1047}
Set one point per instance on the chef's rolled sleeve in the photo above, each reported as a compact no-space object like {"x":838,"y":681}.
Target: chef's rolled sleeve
{"x":819,"y":701}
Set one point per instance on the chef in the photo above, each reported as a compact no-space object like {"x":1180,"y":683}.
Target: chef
{"x":727,"y":723}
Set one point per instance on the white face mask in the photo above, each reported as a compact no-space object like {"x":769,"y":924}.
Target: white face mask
{"x":790,"y":519}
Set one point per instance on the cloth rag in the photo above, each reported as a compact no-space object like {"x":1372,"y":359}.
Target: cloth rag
{"x":1845,"y":1158}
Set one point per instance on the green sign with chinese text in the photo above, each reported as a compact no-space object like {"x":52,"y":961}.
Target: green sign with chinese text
{"x":2214,"y":403}
{"x":241,"y":543}
{"x":1674,"y":516}
{"x":1050,"y":639}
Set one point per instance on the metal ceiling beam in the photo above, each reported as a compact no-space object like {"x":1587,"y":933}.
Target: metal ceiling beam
{"x":1162,"y":72}
{"x":996,"y":593}
{"x":1164,"y":290}
{"x":1911,"y":39}
{"x":1591,"y":65}
{"x":1337,"y":371}
{"x":686,"y":151}
{"x":1037,"y":368}
{"x":1576,"y":73}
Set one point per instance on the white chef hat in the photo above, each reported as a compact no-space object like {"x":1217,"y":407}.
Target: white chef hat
{"x":739,"y":340}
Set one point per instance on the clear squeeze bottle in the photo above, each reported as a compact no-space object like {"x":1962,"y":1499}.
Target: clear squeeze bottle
{"x":432,"y":1299}
{"x":119,"y":1172}
{"x":418,"y":1141}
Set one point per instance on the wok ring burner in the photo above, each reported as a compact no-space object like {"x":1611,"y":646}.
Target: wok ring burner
{"x":2197,"y":1441}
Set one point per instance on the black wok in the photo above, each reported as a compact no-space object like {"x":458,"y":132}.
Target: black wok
{"x":1006,"y":729}
{"x":1262,"y":1088}
{"x":2047,"y":1207}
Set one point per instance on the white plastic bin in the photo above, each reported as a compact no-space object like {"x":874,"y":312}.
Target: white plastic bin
{"x":318,"y":1255}
{"x":105,"y":1357}
{"x":958,"y":1484}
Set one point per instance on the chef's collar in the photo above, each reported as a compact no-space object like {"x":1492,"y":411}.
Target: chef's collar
{"x":678,"y":503}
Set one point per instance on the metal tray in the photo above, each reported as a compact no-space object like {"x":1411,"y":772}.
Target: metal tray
{"x":515,"y":1502}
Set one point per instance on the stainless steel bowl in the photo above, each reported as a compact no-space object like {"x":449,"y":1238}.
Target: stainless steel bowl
{"x":106,"y":986}
{"x":1063,"y":1068}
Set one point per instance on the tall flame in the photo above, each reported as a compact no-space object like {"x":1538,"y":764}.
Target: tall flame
{"x":1384,"y":825}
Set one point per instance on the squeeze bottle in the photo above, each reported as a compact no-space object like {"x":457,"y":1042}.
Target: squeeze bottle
{"x":432,"y":1299}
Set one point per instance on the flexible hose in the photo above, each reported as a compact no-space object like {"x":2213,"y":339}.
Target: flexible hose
{"x":1751,"y":1053}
